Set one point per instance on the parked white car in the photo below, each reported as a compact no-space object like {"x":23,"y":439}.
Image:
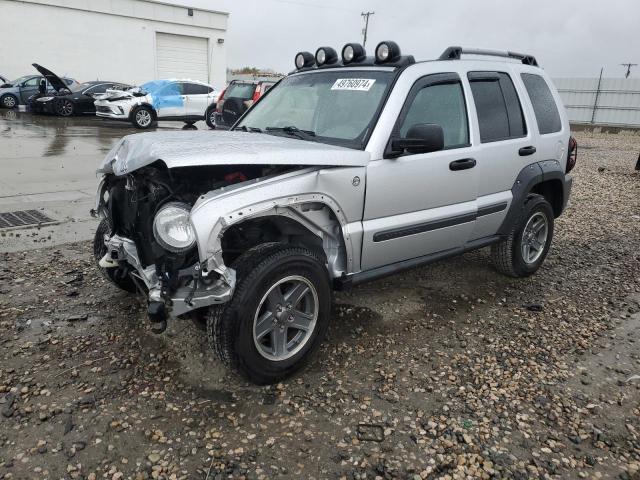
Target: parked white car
{"x":173,"y":99}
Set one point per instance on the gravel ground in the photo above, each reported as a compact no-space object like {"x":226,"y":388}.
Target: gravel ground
{"x":450,"y":371}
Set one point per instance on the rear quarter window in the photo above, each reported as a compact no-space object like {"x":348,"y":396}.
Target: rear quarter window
{"x":544,"y":105}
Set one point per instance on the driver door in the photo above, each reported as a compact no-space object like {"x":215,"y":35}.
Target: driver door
{"x":423,"y":203}
{"x":30,"y":88}
{"x":171,"y":101}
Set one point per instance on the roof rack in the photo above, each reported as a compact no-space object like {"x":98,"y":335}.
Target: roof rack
{"x":454,"y":53}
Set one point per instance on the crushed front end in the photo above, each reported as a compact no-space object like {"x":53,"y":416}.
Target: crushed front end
{"x":170,"y":273}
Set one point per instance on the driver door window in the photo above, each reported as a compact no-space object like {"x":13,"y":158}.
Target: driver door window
{"x":442,"y":104}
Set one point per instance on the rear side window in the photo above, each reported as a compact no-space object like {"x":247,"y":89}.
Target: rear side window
{"x":499,"y":112}
{"x":196,"y":89}
{"x":543,"y":103}
{"x":442,"y":104}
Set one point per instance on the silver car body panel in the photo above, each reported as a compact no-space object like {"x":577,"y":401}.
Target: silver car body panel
{"x":414,"y":205}
{"x":204,"y":148}
{"x":293,"y":195}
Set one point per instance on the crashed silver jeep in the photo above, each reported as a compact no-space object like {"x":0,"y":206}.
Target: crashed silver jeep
{"x":349,"y":169}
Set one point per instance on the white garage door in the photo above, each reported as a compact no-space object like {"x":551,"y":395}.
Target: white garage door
{"x":180,"y":56}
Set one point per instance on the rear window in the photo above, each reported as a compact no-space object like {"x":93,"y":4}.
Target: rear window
{"x":500,"y":115}
{"x":544,"y":105}
{"x":240,"y":90}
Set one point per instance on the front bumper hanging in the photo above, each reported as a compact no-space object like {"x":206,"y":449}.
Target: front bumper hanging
{"x":201,"y":288}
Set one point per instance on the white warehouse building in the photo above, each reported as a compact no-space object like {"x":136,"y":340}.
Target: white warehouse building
{"x":129,"y":41}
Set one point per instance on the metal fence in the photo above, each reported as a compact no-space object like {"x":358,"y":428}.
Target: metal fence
{"x":605,"y":101}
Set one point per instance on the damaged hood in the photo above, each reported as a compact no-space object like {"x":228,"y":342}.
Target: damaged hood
{"x":51,"y":77}
{"x":201,"y":148}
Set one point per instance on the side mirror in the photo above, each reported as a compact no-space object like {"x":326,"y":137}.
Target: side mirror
{"x":420,"y":138}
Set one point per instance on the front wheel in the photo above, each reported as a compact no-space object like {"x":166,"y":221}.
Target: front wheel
{"x":65,"y":108}
{"x":9,"y":101}
{"x":523,"y":251}
{"x":118,"y":276}
{"x":278,"y":315}
{"x":142,"y":117}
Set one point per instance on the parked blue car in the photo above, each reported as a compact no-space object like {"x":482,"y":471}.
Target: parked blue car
{"x":19,"y":91}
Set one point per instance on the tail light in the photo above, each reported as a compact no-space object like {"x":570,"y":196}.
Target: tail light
{"x":220,"y":101}
{"x":256,"y":94}
{"x":572,"y":154}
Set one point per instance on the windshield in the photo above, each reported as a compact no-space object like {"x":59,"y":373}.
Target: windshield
{"x":154,"y":86}
{"x":240,"y":90}
{"x":337,"y":107}
{"x":82,"y":86}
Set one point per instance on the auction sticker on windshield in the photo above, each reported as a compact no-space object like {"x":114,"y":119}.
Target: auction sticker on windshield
{"x":359,"y":84}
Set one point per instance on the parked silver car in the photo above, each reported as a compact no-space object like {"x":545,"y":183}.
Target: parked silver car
{"x":346,"y":171}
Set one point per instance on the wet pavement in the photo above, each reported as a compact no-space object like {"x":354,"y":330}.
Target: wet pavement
{"x":48,"y":164}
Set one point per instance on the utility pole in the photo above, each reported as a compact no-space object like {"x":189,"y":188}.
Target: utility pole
{"x":366,"y":16}
{"x":628,"y":65}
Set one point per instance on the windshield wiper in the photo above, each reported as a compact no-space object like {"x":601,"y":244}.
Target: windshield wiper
{"x":244,"y":128}
{"x":295,"y":131}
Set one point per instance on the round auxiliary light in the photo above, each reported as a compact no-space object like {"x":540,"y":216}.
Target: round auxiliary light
{"x":326,"y":56}
{"x":172,"y":228}
{"x":353,"y":52}
{"x":387,"y":52}
{"x":305,"y":60}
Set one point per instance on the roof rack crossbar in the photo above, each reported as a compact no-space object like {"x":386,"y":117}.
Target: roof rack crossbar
{"x":454,"y":53}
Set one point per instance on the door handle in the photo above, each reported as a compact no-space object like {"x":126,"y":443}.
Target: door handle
{"x":524,"y":151}
{"x":463,"y":164}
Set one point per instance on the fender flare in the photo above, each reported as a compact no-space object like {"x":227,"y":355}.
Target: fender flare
{"x":527,"y":179}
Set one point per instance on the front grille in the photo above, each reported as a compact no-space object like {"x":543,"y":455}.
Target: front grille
{"x":103,"y":109}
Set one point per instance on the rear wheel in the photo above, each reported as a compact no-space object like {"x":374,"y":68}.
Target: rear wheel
{"x":142,"y":117}
{"x":523,"y":251}
{"x":210,"y":117}
{"x":278,"y":315}
{"x":118,"y":276}
{"x":9,"y":101}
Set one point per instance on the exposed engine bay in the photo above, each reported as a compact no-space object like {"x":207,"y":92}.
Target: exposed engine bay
{"x":130,"y":204}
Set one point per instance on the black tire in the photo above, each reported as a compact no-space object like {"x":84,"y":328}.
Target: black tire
{"x":118,"y":276}
{"x":64,"y":107}
{"x":230,"y":327}
{"x":9,"y":101}
{"x":508,"y":256}
{"x":210,"y":117}
{"x":143,"y":117}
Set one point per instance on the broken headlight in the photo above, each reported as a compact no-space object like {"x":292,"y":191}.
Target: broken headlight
{"x":172,"y":229}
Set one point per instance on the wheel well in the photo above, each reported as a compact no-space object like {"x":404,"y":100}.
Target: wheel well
{"x":552,"y":191}
{"x":241,"y":237}
{"x":149,"y":106}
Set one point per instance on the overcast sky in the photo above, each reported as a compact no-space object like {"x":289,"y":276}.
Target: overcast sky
{"x":568,"y":37}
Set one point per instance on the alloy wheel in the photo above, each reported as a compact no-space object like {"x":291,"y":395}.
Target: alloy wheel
{"x":286,"y":318}
{"x":143,"y":118}
{"x":534,"y":237}
{"x":9,"y":101}
{"x":66,"y":108}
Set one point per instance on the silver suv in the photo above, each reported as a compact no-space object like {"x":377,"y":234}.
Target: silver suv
{"x":348,"y":170}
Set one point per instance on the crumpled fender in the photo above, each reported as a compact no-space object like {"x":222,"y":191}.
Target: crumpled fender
{"x":282,"y":195}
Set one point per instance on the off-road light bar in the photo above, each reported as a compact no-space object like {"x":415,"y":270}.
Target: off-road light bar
{"x":305,"y":60}
{"x":387,"y":52}
{"x":353,"y":52}
{"x":326,"y":56}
